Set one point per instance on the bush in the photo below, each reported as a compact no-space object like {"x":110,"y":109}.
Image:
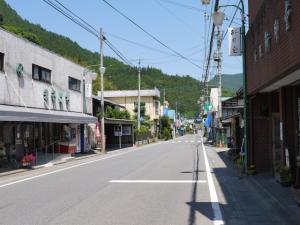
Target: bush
{"x":167,"y":133}
{"x":117,"y":113}
{"x":165,"y":128}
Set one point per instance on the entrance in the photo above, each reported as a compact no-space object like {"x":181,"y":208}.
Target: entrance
{"x":276,"y":142}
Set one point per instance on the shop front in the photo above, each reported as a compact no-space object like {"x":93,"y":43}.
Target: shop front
{"x":40,"y":136}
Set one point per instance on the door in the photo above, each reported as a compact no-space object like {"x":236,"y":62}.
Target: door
{"x":276,"y":142}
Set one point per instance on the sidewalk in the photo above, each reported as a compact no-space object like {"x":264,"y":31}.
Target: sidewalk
{"x":253,"y":200}
{"x":78,"y":156}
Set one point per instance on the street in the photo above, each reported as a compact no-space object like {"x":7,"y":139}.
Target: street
{"x":179,"y":182}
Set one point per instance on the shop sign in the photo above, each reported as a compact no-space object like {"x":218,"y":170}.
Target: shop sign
{"x":53,"y":96}
{"x":267,"y":42}
{"x":126,"y":130}
{"x":60,"y":97}
{"x":88,"y":90}
{"x":287,"y":14}
{"x":234,"y":41}
{"x":276,"y":31}
{"x":118,"y":131}
{"x":20,"y":70}
{"x":67,"y":98}
{"x":46,"y":95}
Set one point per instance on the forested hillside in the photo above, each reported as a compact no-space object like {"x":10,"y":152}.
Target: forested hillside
{"x":183,"y":89}
{"x":231,"y":82}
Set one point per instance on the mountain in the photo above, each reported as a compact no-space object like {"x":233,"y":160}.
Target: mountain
{"x":184,"y":90}
{"x":231,"y":82}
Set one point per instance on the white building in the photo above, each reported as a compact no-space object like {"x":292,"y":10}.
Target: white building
{"x":41,"y":101}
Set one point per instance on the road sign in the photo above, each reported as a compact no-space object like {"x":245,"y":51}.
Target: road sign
{"x":207,"y":107}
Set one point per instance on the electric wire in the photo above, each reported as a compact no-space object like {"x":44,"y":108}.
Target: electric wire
{"x":150,"y":35}
{"x":86,"y":26}
{"x":60,"y":10}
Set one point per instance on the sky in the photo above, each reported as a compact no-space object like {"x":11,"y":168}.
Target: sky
{"x":181,"y":25}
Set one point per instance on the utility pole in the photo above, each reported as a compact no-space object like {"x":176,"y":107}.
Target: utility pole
{"x":139,"y":97}
{"x":102,"y":71}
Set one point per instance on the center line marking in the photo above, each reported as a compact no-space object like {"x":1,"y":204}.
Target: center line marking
{"x":160,"y":181}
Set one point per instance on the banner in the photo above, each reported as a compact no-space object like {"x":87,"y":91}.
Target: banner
{"x":234,"y":41}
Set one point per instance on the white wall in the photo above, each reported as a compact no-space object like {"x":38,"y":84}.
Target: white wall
{"x":28,"y":92}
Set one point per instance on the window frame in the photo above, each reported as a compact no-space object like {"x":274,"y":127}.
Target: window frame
{"x":41,"y":74}
{"x":78,"y":89}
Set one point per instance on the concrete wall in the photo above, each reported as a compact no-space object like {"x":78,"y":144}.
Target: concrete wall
{"x":25,"y":91}
{"x":128,"y":102}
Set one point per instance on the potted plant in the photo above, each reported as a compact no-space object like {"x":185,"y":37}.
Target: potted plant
{"x":251,"y":170}
{"x":285,"y":176}
{"x":28,"y":160}
{"x":296,"y":187}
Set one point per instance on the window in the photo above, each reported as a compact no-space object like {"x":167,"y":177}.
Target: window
{"x":74,"y":84}
{"x":41,"y":73}
{"x":1,"y":61}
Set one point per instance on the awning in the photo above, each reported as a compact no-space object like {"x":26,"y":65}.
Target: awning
{"x":118,"y":121}
{"x":22,"y":114}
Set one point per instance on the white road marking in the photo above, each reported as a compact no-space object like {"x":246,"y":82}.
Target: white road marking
{"x":192,"y":141}
{"x":160,"y":181}
{"x":179,"y":141}
{"x":218,"y":219}
{"x":74,"y":166}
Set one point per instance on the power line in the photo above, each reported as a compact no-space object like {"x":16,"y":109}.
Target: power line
{"x":139,"y":44}
{"x":117,"y":52}
{"x":183,"y":5}
{"x":85,"y":25}
{"x":60,"y":10}
{"x":231,"y":21}
{"x":149,"y":34}
{"x":186,"y":25}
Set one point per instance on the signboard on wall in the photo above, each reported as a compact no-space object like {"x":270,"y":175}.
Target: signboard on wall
{"x":88,"y":90}
{"x":126,"y":130}
{"x":118,"y":131}
{"x":234,"y":41}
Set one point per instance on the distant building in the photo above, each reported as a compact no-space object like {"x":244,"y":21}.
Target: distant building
{"x":129,"y":98}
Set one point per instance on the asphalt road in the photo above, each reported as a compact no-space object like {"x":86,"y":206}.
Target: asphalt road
{"x":171,"y":183}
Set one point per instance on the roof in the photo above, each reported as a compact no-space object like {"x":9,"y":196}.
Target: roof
{"x":132,"y":93}
{"x":118,"y":121}
{"x":107,"y":101}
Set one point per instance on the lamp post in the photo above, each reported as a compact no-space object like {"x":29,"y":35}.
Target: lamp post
{"x":139,"y":96}
{"x":216,"y":16}
{"x":102,"y":71}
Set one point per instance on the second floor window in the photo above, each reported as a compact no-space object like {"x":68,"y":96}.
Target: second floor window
{"x":1,"y":61}
{"x":74,"y":84}
{"x":41,"y":73}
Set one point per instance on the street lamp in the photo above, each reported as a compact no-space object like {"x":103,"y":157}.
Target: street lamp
{"x":218,"y":18}
{"x":242,"y":11}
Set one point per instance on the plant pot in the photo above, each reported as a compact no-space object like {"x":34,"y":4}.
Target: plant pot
{"x":296,"y":194}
